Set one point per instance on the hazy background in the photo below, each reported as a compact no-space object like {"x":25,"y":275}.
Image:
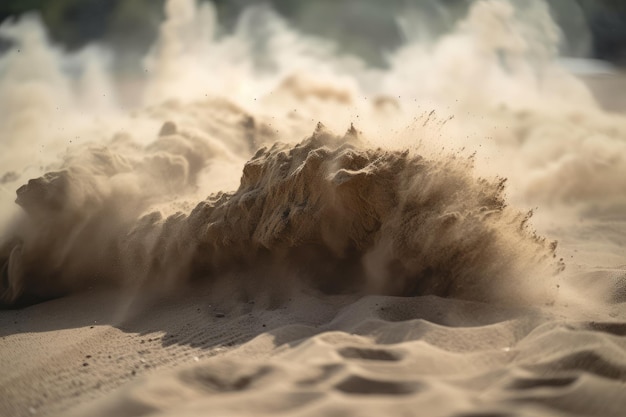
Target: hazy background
{"x":366,"y":28}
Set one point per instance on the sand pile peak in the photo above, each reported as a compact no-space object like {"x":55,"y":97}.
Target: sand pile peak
{"x":328,"y":211}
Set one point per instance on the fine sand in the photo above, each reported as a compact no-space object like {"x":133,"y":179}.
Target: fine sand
{"x":322,"y":239}
{"x":336,"y":355}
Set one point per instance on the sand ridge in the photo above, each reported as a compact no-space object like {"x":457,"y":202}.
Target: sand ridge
{"x":383,"y":353}
{"x":340,"y":216}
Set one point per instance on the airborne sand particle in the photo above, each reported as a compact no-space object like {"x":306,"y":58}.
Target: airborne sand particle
{"x":325,"y":210}
{"x":432,"y":228}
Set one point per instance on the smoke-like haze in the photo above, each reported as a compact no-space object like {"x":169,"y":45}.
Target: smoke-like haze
{"x":212,"y":165}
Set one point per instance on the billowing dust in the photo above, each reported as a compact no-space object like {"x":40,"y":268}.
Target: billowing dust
{"x":228,"y":160}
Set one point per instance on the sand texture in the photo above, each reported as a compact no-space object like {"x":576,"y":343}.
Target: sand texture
{"x":260,"y":225}
{"x":314,"y":356}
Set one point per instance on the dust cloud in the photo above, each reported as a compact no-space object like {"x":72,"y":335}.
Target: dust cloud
{"x":214,"y":164}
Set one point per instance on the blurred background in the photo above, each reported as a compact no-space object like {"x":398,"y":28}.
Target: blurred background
{"x":366,"y":28}
{"x":593,"y":32}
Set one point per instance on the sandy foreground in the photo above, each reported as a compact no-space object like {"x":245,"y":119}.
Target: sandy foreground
{"x":314,"y":356}
{"x":532,"y":344}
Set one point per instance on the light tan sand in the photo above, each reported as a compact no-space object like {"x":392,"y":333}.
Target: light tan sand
{"x":313,"y":356}
{"x":199,"y":277}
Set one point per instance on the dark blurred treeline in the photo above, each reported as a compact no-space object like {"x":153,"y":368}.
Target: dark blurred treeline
{"x":363,"y":27}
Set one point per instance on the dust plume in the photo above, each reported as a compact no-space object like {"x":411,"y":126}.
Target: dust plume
{"x":223,"y":169}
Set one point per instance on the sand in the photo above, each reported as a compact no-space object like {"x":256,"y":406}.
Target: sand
{"x":313,"y":355}
{"x":323,"y":239}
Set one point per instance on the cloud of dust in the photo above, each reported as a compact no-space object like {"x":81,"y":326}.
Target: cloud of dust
{"x":217,"y":172}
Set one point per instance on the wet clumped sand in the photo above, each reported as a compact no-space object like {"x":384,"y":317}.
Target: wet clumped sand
{"x":323,"y":239}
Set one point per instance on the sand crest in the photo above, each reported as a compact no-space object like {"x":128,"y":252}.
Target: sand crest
{"x":327,"y":211}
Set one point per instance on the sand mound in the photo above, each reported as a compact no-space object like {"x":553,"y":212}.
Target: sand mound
{"x":328,"y":211}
